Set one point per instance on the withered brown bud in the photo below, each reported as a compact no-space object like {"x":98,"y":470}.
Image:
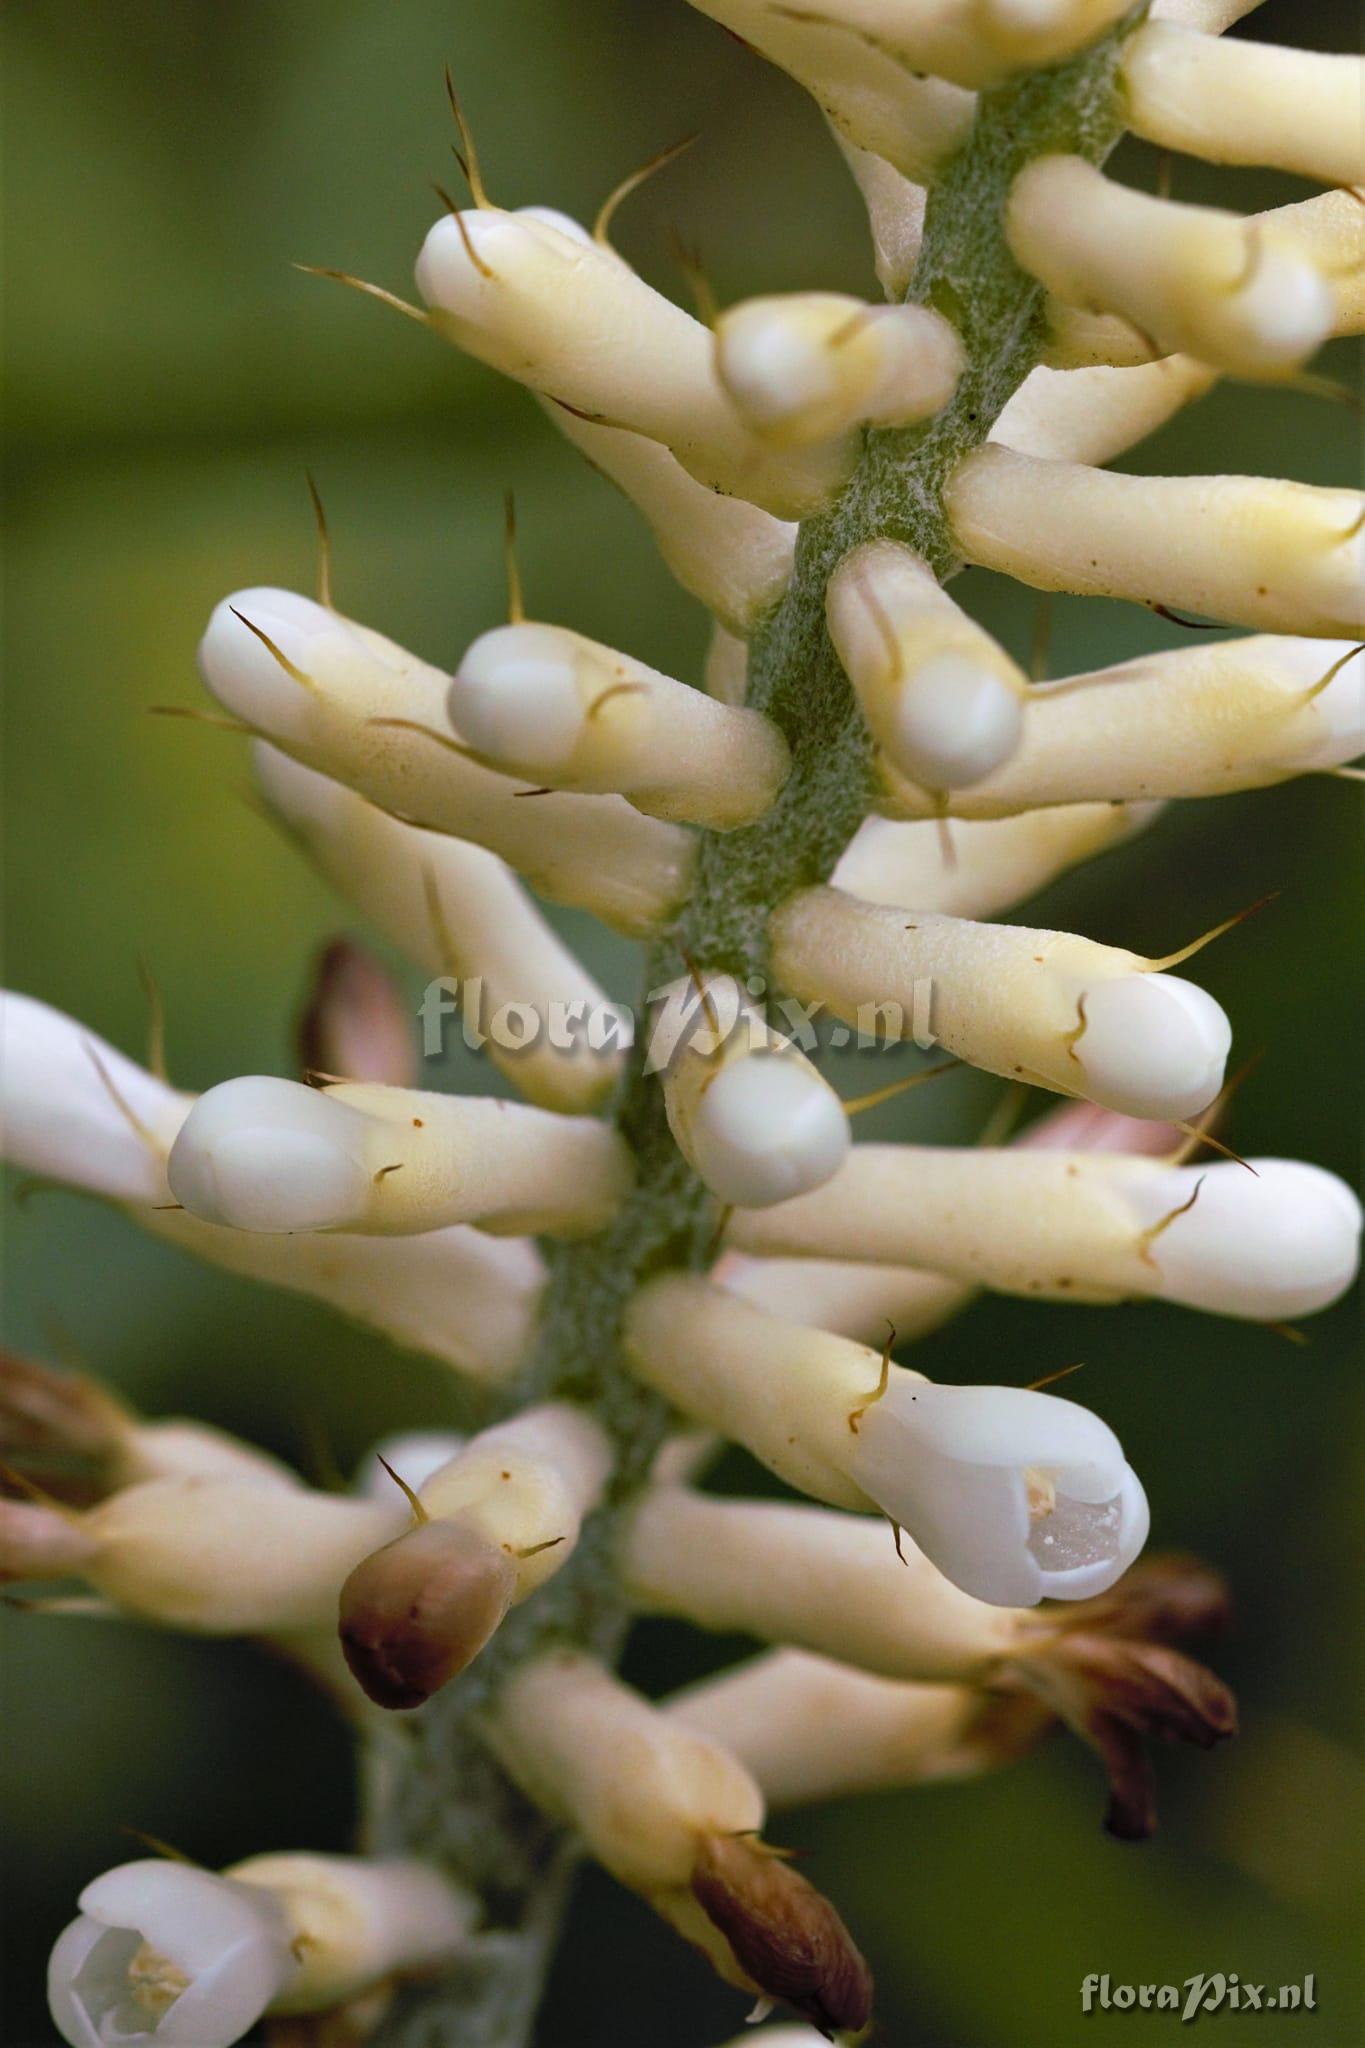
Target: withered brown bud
{"x":1116,"y":1693}
{"x":1168,"y":1599}
{"x":56,"y":1413}
{"x":414,"y":1614}
{"x":786,"y":1937}
{"x":356,"y":1023}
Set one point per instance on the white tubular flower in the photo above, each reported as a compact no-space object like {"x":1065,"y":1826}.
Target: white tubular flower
{"x":456,"y":910}
{"x":1281,"y":1243}
{"x":214,"y":1556}
{"x":857,"y":1301}
{"x":1092,"y":415}
{"x":168,"y":1953}
{"x":1014,"y":1495}
{"x":861,"y":1301}
{"x":944,"y":702}
{"x":748,"y":1111}
{"x":1327,"y":232}
{"x":1191,"y":721}
{"x":566,"y":316}
{"x":780,"y":2037}
{"x":869,"y":94}
{"x":972,"y":42}
{"x":66,"y":1415}
{"x":814,"y":366}
{"x":1278,"y":557}
{"x":414,"y":1454}
{"x":980,"y":868}
{"x":1277,"y":1242}
{"x":1048,"y":1008}
{"x":674,"y":1816}
{"x":544,"y":702}
{"x":1246,"y":103}
{"x":455,"y":1293}
{"x":73,"y":1109}
{"x":275,"y":1156}
{"x":810,"y":1729}
{"x":1230,"y":292}
{"x":895,"y":214}
{"x":803,"y":1576}
{"x":495,"y":1521}
{"x":354,"y":706}
{"x":732,"y":556}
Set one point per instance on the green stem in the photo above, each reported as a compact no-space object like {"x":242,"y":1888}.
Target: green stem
{"x":436,"y":1791}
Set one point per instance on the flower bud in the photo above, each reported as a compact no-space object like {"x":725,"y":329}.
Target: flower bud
{"x":417,"y":1612}
{"x":1276,"y":1242}
{"x":670,"y":1815}
{"x":354,"y":706}
{"x":74,"y":1109}
{"x":861,"y":1301}
{"x":356,"y":1022}
{"x":1190,"y":721}
{"x":225,"y":1555}
{"x":569,"y":318}
{"x":455,"y":1293}
{"x":170,"y":1953}
{"x":544,"y":702}
{"x":1017,"y":1496}
{"x":1279,"y":557}
{"x":943,"y":701}
{"x":812,"y":1730}
{"x":1239,"y":102}
{"x":978,"y":869}
{"x":497,"y":1519}
{"x":1231,"y":293}
{"x":814,"y":366}
{"x":869,"y":94}
{"x":750,"y":1114}
{"x":458,"y":911}
{"x":1014,"y":1495}
{"x":1047,"y":1008}
{"x":825,"y":1582}
{"x":275,"y":1156}
{"x":733,"y":557}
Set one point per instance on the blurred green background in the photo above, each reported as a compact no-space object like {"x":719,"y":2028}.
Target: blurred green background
{"x":169,"y":379}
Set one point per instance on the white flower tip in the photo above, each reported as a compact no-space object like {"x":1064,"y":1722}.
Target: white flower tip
{"x":767,"y":1128}
{"x":1153,"y":1045}
{"x":269,"y":1155}
{"x":515,"y":697}
{"x":1281,"y":1242}
{"x":1017,"y":1496}
{"x":460,"y":258}
{"x":774,"y":363}
{"x":1287,"y":306}
{"x":168,"y":1953}
{"x":238,"y":666}
{"x":955,"y":722}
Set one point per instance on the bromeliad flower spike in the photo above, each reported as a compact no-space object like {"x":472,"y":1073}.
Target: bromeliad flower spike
{"x":663,"y":1249}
